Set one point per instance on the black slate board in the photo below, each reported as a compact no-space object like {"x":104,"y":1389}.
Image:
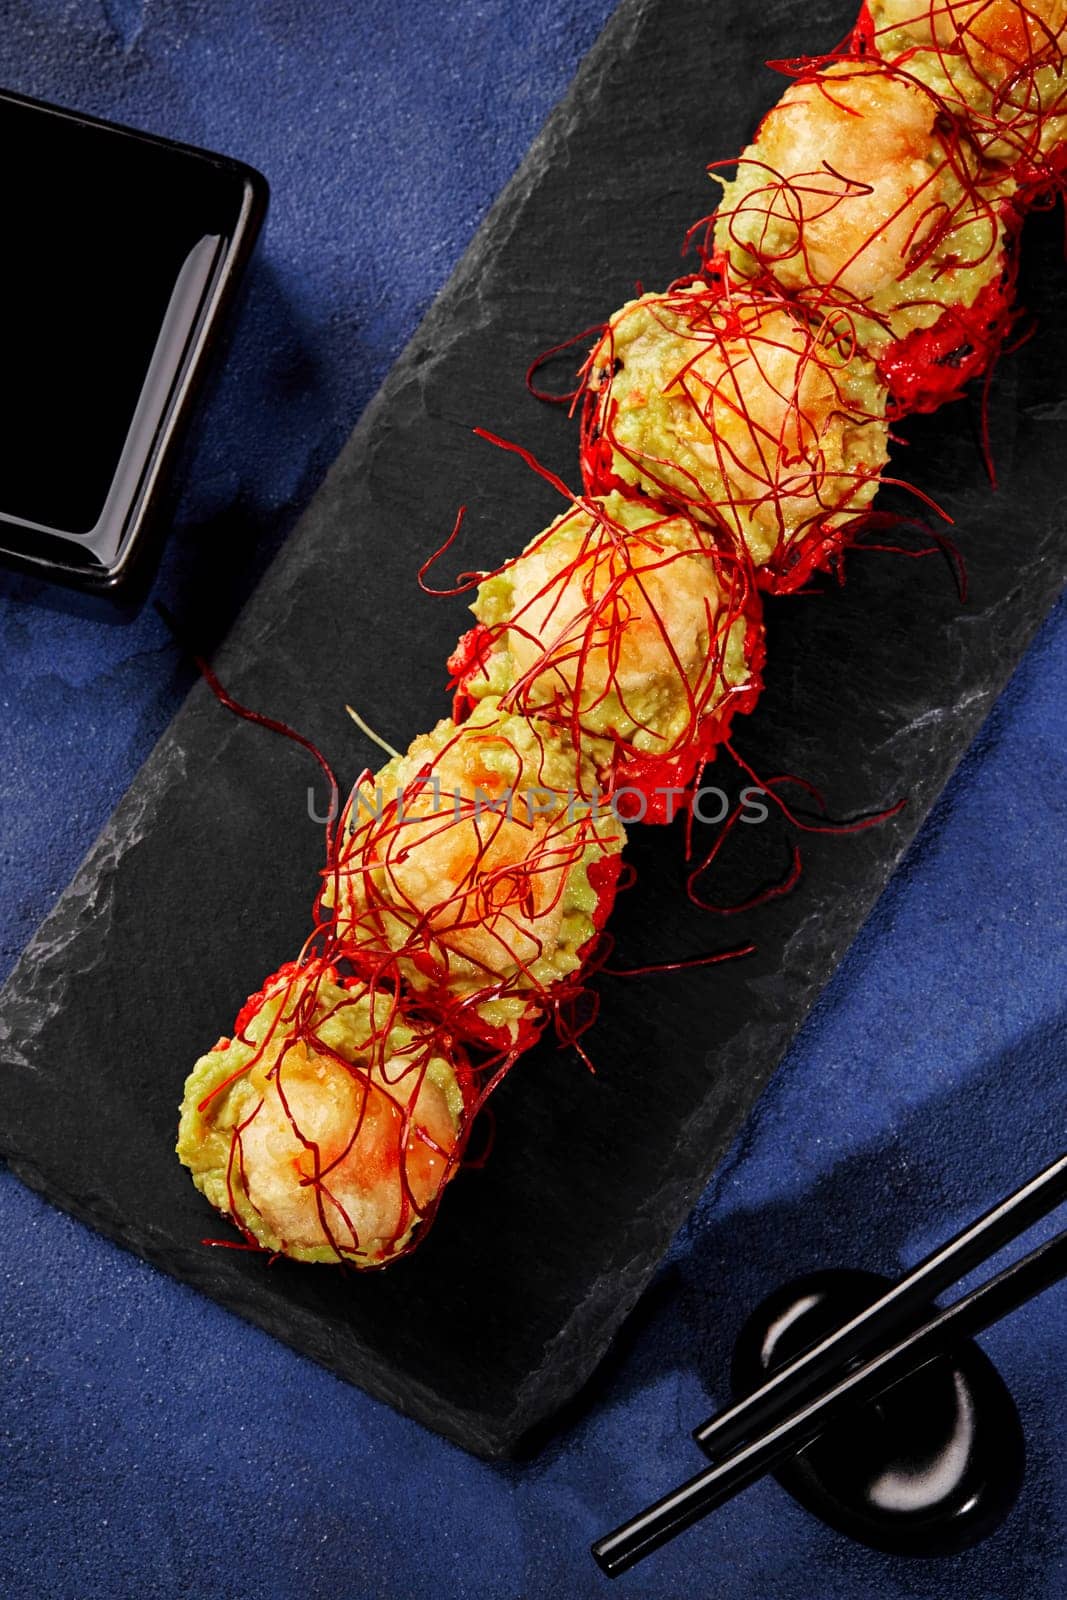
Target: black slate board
{"x":200,"y":883}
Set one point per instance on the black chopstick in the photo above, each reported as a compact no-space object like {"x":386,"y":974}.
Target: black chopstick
{"x":872,"y":1328}
{"x":711,"y":1488}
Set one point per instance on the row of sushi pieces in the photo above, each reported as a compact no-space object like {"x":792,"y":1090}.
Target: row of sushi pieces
{"x":734,"y":432}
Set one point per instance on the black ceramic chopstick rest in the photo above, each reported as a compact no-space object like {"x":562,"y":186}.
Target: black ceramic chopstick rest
{"x":870,"y":1402}
{"x":927,"y":1469}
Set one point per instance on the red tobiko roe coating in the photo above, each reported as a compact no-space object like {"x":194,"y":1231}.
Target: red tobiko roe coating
{"x":935,"y":365}
{"x":603,"y":875}
{"x":791,"y":568}
{"x":467,"y":661}
{"x":285,"y":973}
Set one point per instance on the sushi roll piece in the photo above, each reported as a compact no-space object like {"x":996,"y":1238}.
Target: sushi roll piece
{"x":327,"y":1127}
{"x":727,"y":404}
{"x":631,"y":628}
{"x":996,"y":64}
{"x":870,"y":207}
{"x":477,"y":869}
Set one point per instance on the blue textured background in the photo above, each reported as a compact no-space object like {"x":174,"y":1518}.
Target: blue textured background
{"x":152,"y":1444}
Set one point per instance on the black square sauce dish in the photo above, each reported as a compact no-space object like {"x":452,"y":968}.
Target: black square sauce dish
{"x":123,"y":252}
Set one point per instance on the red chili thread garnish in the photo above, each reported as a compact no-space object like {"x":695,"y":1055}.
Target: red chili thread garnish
{"x":684,"y":965}
{"x":873,"y":819}
{"x":262,"y":721}
{"x":441,"y":968}
{"x":547,"y":355}
{"x":528,"y":457}
{"x":466,"y":580}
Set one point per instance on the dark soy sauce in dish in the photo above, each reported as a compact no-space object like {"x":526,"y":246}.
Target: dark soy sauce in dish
{"x":121,"y":251}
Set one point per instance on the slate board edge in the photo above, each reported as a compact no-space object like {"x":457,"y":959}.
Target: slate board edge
{"x":165,"y":766}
